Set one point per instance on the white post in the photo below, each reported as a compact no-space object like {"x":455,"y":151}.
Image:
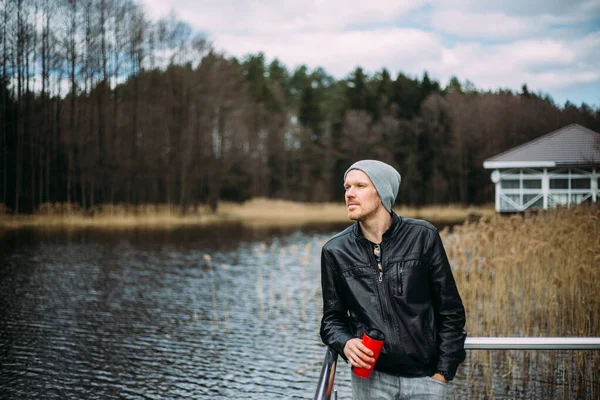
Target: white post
{"x":521,"y":204}
{"x":569,"y":201}
{"x":545,"y":187}
{"x":594,"y":185}
{"x":498,"y":189}
{"x":496,"y":177}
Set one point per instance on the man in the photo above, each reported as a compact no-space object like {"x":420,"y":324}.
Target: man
{"x":390,"y":273}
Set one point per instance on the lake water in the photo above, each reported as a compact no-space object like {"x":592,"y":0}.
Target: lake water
{"x":220,"y":313}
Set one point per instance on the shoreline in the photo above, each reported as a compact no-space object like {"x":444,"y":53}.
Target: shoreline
{"x":254,"y":213}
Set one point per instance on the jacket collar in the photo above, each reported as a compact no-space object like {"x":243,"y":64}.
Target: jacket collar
{"x":396,"y":223}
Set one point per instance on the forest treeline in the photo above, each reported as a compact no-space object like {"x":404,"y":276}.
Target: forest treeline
{"x":99,"y":104}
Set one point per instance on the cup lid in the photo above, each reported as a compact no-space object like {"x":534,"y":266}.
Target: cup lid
{"x":375,"y":334}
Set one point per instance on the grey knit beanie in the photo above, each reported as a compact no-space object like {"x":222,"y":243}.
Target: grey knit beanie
{"x":385,"y":178}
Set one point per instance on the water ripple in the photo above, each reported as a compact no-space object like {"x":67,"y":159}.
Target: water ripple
{"x":165,"y":315}
{"x":112,"y":320}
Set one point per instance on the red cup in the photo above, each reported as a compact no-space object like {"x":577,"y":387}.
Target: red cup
{"x":373,"y":339}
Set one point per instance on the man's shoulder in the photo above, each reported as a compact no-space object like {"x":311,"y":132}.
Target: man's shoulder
{"x":336,"y":239}
{"x":418,"y":224}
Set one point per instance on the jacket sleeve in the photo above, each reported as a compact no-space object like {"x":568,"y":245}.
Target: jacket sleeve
{"x":334,"y":325}
{"x":448,"y":307}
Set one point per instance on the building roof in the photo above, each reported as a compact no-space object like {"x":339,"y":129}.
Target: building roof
{"x":571,"y":145}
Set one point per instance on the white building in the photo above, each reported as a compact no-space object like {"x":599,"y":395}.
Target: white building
{"x":560,"y":168}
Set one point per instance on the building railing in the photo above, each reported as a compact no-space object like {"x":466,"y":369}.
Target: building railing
{"x":325,"y":387}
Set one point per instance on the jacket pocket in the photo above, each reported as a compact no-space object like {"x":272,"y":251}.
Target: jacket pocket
{"x":358,"y":270}
{"x":359,"y":281}
{"x":429,"y":332}
{"x":402,"y":271}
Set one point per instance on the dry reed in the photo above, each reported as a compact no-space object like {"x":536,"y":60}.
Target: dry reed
{"x":255,"y":213}
{"x":536,"y":274}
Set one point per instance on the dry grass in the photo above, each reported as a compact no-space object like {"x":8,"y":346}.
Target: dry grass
{"x":535,"y":275}
{"x":266,"y":212}
{"x":111,"y":216}
{"x":257,"y":212}
{"x":447,"y":212}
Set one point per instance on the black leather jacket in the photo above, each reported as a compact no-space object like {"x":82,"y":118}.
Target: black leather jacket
{"x":415,"y":303}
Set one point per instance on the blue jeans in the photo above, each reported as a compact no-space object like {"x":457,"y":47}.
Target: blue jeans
{"x":380,"y":386}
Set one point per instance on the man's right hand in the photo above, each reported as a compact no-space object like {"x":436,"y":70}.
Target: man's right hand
{"x":358,"y":354}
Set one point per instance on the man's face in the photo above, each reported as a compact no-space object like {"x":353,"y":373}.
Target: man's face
{"x":362,"y":200}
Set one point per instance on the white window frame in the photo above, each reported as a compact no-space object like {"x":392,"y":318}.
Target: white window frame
{"x":548,"y":195}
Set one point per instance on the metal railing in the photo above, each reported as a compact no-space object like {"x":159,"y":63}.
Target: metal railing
{"x":325,"y":386}
{"x":327,"y":377}
{"x":532,"y":343}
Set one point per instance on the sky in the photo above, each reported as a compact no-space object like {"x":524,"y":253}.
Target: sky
{"x":551,"y":45}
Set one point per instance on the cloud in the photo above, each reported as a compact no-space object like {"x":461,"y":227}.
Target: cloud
{"x":496,"y":43}
{"x":262,"y":17}
{"x":566,"y":10}
{"x":512,"y":19}
{"x":542,"y":64}
{"x":491,"y":25}
{"x":339,"y":53}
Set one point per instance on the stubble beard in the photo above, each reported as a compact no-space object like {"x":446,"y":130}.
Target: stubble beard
{"x":362,"y":216}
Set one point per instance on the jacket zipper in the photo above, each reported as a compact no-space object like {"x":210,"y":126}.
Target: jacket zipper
{"x":380,"y":280}
{"x":400,"y":281}
{"x":380,"y":263}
